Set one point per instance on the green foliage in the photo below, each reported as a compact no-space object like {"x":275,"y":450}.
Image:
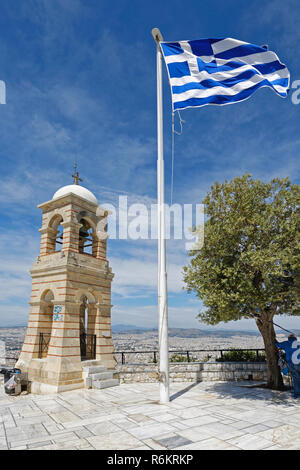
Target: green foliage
{"x":241,"y":356}
{"x":250,"y":261}
{"x":206,"y":358}
{"x":181,"y":358}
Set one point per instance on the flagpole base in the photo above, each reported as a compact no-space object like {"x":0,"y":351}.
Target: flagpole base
{"x":164,"y":394}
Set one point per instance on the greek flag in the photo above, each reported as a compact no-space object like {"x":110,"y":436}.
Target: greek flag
{"x":220,"y":71}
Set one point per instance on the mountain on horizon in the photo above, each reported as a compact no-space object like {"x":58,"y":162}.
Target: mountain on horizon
{"x":123,"y":328}
{"x":190,"y":332}
{"x":182,"y":332}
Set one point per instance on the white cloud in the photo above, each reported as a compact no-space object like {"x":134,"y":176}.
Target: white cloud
{"x":147,"y":316}
{"x":135,"y":277}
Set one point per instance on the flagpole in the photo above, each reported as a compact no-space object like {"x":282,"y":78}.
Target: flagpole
{"x":162,"y":273}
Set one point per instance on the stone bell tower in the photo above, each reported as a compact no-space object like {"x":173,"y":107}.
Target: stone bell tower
{"x":70,"y":315}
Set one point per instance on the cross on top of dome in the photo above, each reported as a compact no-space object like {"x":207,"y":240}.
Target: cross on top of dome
{"x":76,"y":175}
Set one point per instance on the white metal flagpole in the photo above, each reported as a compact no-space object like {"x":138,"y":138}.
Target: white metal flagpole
{"x":162,"y":273}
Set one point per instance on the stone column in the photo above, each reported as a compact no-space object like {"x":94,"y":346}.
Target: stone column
{"x":48,"y":240}
{"x":63,"y":370}
{"x":104,"y":346}
{"x":71,"y":236}
{"x":30,"y":348}
{"x":100,"y":245}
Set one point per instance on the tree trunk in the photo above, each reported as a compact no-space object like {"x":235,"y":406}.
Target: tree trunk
{"x":266,"y":328}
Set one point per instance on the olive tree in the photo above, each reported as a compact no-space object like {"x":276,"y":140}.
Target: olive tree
{"x":249,"y":264}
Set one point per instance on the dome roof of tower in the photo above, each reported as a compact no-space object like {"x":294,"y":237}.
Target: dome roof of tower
{"x":78,"y":190}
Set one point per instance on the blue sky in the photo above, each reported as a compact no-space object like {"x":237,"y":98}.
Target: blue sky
{"x":80,"y":78}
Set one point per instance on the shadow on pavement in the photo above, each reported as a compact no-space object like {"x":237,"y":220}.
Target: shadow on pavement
{"x":182,"y":392}
{"x":241,"y":390}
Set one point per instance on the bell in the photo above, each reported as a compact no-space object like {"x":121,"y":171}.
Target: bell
{"x":83,"y":232}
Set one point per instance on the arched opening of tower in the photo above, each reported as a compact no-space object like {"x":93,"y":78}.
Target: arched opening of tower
{"x":59,"y":237}
{"x":86,"y":239}
{"x":47,"y":306}
{"x":87,"y":329}
{"x":55,"y":234}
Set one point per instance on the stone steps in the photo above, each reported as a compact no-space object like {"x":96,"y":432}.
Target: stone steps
{"x":102,"y":375}
{"x":100,"y":384}
{"x":98,"y":377}
{"x":94,"y":369}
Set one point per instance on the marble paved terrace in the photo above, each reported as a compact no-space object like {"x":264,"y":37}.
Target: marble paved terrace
{"x":215,"y":415}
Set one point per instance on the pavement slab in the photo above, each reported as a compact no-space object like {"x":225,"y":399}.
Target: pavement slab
{"x":216,"y":415}
{"x":173,"y":442}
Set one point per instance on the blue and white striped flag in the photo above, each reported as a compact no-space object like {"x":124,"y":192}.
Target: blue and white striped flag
{"x":220,"y":71}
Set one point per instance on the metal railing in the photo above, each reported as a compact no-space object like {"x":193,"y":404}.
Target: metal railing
{"x":192,"y":355}
{"x":44,"y":340}
{"x":87,"y":345}
{"x":8,"y":361}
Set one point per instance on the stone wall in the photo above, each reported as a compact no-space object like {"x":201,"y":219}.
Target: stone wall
{"x":195,"y":372}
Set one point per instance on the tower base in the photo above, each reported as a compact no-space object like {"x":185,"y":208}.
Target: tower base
{"x":52,"y":375}
{"x":40,"y":388}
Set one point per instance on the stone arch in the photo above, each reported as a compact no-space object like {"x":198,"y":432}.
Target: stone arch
{"x":47,"y":295}
{"x":55,"y":220}
{"x":55,"y":233}
{"x":89,"y":294}
{"x":92,"y":219}
{"x":88,"y":240}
